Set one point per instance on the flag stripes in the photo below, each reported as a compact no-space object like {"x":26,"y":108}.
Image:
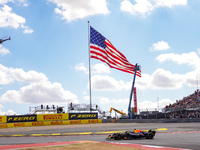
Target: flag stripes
{"x":102,"y":49}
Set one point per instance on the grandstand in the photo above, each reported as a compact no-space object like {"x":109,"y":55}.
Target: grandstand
{"x":188,"y":107}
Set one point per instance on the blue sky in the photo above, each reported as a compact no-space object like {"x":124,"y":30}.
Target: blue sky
{"x":46,"y":60}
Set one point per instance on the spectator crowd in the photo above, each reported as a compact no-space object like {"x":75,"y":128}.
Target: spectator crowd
{"x":188,"y":107}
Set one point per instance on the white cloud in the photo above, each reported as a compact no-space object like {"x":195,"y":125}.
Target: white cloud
{"x":86,"y":98}
{"x":10,"y":19}
{"x":159,"y":46}
{"x":72,"y":10}
{"x":169,"y":3}
{"x":105,"y":100}
{"x":147,"y":105}
{"x":28,"y":77}
{"x":144,"y":82}
{"x":38,"y":93}
{"x":3,"y":50}
{"x":81,"y":67}
{"x":100,"y":68}
{"x":9,"y":75}
{"x":28,"y":31}
{"x":142,"y":7}
{"x":162,"y":79}
{"x":191,"y":58}
{"x":192,"y":78}
{"x":198,"y":51}
{"x":145,"y":7}
{"x":107,"y":83}
{"x":9,"y":112}
{"x":40,"y":90}
{"x":5,"y":77}
{"x":142,"y":106}
{"x":5,"y":1}
{"x":23,"y":2}
{"x":152,"y":106}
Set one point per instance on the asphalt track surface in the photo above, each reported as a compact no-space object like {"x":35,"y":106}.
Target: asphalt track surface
{"x":169,"y":135}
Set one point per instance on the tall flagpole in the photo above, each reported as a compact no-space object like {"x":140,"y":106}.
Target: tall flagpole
{"x":89,"y":66}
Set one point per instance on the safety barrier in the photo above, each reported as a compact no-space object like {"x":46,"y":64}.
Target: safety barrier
{"x":48,"y":119}
{"x":47,"y":123}
{"x":3,"y":119}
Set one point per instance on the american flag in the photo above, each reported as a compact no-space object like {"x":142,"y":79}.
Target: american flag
{"x":102,"y":49}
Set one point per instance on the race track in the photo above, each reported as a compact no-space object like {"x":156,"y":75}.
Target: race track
{"x":174,"y":135}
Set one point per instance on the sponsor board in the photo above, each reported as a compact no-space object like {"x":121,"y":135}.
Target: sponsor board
{"x":75,"y":122}
{"x":94,"y":121}
{"x":19,"y":124}
{"x":52,"y":117}
{"x":21,"y":118}
{"x":56,"y":122}
{"x":79,"y":116}
{"x":3,"y":119}
{"x":48,"y":123}
{"x":37,"y":123}
{"x":3,"y":125}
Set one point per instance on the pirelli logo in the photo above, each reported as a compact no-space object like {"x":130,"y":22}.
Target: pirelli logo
{"x":75,"y":122}
{"x":52,"y":117}
{"x":56,"y":122}
{"x":3,"y":126}
{"x":19,"y":124}
{"x":94,"y":121}
{"x":21,"y":118}
{"x":79,"y":116}
{"x":37,"y":123}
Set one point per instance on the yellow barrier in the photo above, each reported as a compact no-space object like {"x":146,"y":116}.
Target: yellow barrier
{"x":3,"y":119}
{"x":47,"y":123}
{"x":76,"y":117}
{"x":42,"y":120}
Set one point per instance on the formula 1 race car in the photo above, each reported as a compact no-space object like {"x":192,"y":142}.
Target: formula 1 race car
{"x":136,"y":134}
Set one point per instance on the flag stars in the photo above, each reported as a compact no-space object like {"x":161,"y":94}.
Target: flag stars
{"x":97,"y":38}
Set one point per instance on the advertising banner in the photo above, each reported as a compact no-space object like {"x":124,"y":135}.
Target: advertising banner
{"x":21,"y":118}
{"x":3,"y":119}
{"x":135,"y":101}
{"x":80,"y":116}
{"x":52,"y":117}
